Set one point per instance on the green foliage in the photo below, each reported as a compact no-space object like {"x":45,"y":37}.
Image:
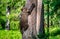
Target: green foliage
{"x":15,"y":9}
{"x":5,"y":34}
{"x":13,"y":17}
{"x":14,"y":25}
{"x":54,"y":33}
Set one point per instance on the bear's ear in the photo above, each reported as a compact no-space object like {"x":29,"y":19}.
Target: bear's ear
{"x":24,"y":8}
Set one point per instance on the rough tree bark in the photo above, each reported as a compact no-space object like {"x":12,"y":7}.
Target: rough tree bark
{"x":30,"y":33}
{"x":35,"y":20}
{"x":40,"y":17}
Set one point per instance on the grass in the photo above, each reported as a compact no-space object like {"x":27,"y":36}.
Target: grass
{"x":10,"y":34}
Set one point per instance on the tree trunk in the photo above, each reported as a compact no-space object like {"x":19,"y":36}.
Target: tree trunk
{"x":35,"y":20}
{"x":40,"y":17}
{"x":30,"y":33}
{"x":7,"y":27}
{"x":48,"y":18}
